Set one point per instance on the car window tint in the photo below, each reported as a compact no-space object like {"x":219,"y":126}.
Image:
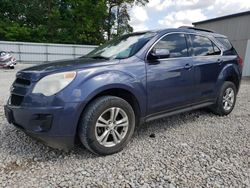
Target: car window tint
{"x":175,"y":43}
{"x":202,"y":46}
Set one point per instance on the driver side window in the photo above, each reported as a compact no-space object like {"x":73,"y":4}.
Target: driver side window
{"x":175,"y":43}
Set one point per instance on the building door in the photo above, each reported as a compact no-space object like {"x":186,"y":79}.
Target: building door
{"x":246,"y":68}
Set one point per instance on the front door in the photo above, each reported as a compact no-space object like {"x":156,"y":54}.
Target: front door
{"x":170,"y":79}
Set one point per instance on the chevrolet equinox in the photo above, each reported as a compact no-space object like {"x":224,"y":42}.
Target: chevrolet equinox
{"x":101,"y":97}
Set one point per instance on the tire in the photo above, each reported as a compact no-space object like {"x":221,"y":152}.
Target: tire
{"x":96,"y":122}
{"x":219,"y":108}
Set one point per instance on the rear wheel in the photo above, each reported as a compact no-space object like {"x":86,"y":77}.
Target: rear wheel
{"x":106,"y":125}
{"x":226,"y":99}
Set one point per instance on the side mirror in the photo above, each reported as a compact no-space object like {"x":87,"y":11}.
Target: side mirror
{"x":159,"y":53}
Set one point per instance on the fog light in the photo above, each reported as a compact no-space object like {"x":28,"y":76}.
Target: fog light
{"x":41,"y":122}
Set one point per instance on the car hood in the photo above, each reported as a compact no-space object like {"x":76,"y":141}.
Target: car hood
{"x":36,"y":72}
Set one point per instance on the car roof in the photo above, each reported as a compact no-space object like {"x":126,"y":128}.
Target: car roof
{"x":186,"y":29}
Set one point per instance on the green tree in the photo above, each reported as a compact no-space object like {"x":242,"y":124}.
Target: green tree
{"x":64,"y":21}
{"x":60,"y":21}
{"x":18,"y":19}
{"x":118,"y":17}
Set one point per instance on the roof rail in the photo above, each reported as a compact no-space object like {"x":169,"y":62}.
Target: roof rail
{"x":195,"y":28}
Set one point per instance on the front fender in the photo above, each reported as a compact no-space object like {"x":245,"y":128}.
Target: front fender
{"x":89,"y":84}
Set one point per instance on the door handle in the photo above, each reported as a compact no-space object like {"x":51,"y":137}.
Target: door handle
{"x":220,"y":61}
{"x":188,"y":66}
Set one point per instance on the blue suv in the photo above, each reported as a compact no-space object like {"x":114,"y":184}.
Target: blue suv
{"x":101,"y":97}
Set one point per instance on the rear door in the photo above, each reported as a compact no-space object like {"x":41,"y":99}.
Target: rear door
{"x":170,"y":80}
{"x":207,"y":63}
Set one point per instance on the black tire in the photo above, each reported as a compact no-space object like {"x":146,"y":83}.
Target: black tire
{"x":87,"y":124}
{"x":218,"y":107}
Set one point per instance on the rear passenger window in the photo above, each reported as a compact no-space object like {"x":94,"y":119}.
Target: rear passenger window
{"x":175,"y":43}
{"x":203,"y":46}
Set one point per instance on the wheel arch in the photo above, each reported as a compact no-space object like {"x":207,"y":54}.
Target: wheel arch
{"x":123,"y":92}
{"x":230,"y":73}
{"x":233,"y":78}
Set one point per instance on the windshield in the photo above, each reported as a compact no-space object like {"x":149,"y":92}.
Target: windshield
{"x":122,"y":47}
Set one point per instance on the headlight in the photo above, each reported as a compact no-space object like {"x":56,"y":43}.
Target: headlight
{"x":52,"y":84}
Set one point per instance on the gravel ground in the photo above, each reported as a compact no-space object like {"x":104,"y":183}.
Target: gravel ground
{"x":195,"y":149}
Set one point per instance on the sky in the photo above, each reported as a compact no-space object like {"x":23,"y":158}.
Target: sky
{"x":158,"y":14}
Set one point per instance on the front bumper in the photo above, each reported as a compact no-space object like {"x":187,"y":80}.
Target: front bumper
{"x":53,"y":126}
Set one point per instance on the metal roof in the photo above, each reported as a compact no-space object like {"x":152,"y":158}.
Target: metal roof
{"x":223,"y":17}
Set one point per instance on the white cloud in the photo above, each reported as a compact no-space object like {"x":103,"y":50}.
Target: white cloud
{"x":161,"y":5}
{"x":190,"y":15}
{"x":138,"y":17}
{"x":211,"y":7}
{"x":139,"y":13}
{"x":180,"y":18}
{"x":174,"y":13}
{"x":229,"y":5}
{"x":140,"y":27}
{"x":153,"y":3}
{"x":222,"y":8}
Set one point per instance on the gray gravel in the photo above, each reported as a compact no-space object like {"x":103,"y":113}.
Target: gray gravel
{"x":195,"y":149}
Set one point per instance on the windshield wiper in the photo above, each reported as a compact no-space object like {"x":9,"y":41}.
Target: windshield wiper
{"x":121,"y":57}
{"x":99,"y":57}
{"x":84,"y":56}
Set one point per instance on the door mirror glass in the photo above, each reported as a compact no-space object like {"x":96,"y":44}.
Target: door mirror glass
{"x":158,"y":53}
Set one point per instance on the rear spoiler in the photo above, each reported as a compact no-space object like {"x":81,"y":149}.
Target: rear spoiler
{"x":197,"y":29}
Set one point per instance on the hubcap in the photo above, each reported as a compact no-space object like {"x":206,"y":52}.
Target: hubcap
{"x":111,"y":127}
{"x":228,"y":99}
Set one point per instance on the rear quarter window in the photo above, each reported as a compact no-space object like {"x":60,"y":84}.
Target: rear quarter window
{"x":229,"y":49}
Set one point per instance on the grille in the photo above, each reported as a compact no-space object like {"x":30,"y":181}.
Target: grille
{"x":22,"y":81}
{"x":16,"y":100}
{"x":19,"y":89}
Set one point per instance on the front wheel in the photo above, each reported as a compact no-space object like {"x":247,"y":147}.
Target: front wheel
{"x":226,"y":99}
{"x":107,"y":125}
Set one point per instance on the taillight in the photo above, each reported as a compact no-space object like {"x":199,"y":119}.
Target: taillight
{"x":240,"y":61}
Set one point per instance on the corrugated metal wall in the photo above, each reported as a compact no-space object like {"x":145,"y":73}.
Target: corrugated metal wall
{"x":26,"y":52}
{"x":246,"y":68}
{"x":237,"y":29}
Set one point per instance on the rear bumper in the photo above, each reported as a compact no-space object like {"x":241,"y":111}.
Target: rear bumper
{"x":8,"y":63}
{"x":53,"y":126}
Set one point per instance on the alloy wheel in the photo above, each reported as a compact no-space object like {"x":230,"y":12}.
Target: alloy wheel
{"x":228,"y":99}
{"x":111,"y":127}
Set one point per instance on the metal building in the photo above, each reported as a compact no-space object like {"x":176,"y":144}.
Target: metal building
{"x":237,"y":28}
